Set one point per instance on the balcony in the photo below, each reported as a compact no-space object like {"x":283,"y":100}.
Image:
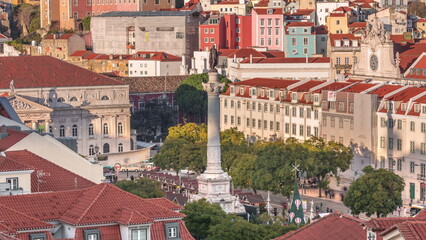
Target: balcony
{"x":346,"y":66}
{"x":421,"y":177}
{"x":345,"y":49}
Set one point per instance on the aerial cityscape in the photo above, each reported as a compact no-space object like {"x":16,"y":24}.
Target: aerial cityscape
{"x":213,"y":119}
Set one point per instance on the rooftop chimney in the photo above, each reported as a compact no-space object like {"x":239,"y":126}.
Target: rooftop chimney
{"x":3,"y":133}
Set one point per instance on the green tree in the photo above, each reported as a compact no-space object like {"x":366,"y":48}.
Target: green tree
{"x":235,"y":228}
{"x":242,"y":171}
{"x":35,"y":24}
{"x":191,"y":97}
{"x":171,"y":155}
{"x":376,"y":192}
{"x":191,"y":132}
{"x":86,"y":23}
{"x":142,"y":187}
{"x":201,"y":216}
{"x":233,"y":144}
{"x":327,"y":158}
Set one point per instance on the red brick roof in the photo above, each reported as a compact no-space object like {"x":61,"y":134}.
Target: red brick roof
{"x":333,"y":86}
{"x":337,"y":14}
{"x":401,"y":39}
{"x":56,"y":178}
{"x":157,"y":231}
{"x":14,"y":136}
{"x":45,"y":71}
{"x":80,"y":53}
{"x":13,"y":221}
{"x":156,"y":56}
{"x":381,"y":224}
{"x":412,"y":230}
{"x":303,"y":12}
{"x":273,"y":54}
{"x":266,"y":82}
{"x":419,"y":65}
{"x":228,"y":2}
{"x":164,"y":202}
{"x":306,"y":86}
{"x":358,"y":25}
{"x":406,"y":94}
{"x":65,"y":36}
{"x":385,"y":89}
{"x":422,"y":20}
{"x":8,"y":165}
{"x":335,"y":226}
{"x":321,"y":29}
{"x":289,"y":60}
{"x":343,"y":9}
{"x":359,"y":87}
{"x":243,"y":53}
{"x":410,"y":53}
{"x":334,"y":37}
{"x":264,"y":11}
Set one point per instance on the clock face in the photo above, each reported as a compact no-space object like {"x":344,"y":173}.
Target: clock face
{"x":374,"y":62}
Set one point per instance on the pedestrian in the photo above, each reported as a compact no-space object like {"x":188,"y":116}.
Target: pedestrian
{"x":399,"y":211}
{"x":327,"y":209}
{"x":342,"y":196}
{"x":326,"y":193}
{"x":331,"y":210}
{"x":132,"y":178}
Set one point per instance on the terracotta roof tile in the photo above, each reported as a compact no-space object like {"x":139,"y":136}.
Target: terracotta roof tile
{"x":289,"y":60}
{"x":264,"y":11}
{"x":357,"y":88}
{"x":80,"y":53}
{"x":164,"y":202}
{"x":45,"y":71}
{"x":409,"y":54}
{"x":14,"y":221}
{"x":156,"y":56}
{"x":65,"y":36}
{"x":245,"y":53}
{"x":56,"y":178}
{"x":8,"y":165}
{"x":306,"y":86}
{"x":266,"y":82}
{"x":406,"y":94}
{"x":333,"y":86}
{"x":303,"y":12}
{"x":2,"y":36}
{"x":335,"y":226}
{"x":14,"y":136}
{"x":358,"y":25}
{"x":106,"y":232}
{"x":385,"y":89}
{"x":157,"y":231}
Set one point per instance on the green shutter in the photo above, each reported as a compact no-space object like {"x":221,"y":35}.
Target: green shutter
{"x":412,"y":190}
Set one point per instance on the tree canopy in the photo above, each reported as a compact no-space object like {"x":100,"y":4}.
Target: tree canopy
{"x":417,"y":8}
{"x":376,"y":192}
{"x":190,"y":95}
{"x":142,"y":187}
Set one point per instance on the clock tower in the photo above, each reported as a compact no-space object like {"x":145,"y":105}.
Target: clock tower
{"x":378,"y":60}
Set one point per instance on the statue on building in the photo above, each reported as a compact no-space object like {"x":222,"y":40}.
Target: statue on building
{"x":213,"y":58}
{"x":12,"y":87}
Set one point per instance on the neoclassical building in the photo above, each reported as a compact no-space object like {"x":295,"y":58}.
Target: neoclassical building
{"x":70,"y":102}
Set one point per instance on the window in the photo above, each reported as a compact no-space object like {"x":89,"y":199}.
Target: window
{"x":248,"y":122}
{"x":91,"y":150}
{"x":287,"y":128}
{"x":278,"y":108}
{"x":120,"y":129}
{"x":423,"y":127}
{"x":422,"y":169}
{"x":91,"y":234}
{"x":382,"y":162}
{"x":305,"y":41}
{"x":248,"y":105}
{"x":340,"y":122}
{"x":139,"y":234}
{"x":211,"y":30}
{"x":277,"y":31}
{"x":412,"y":167}
{"x":206,"y":30}
{"x":62,"y":131}
{"x":294,"y":112}
{"x":308,"y":131}
{"x":399,"y":124}
{"x":382,"y":142}
{"x":316,"y":131}
{"x":239,"y":105}
{"x":346,"y":60}
{"x":301,"y":128}
{"x":61,"y":99}
{"x":262,"y":31}
{"x":253,"y":123}
{"x":265,"y":107}
{"x":337,"y":60}
{"x":14,"y":184}
{"x":412,"y":146}
{"x":412,"y":126}
{"x":301,"y":112}
{"x":269,"y":21}
{"x":105,"y":98}
{"x":74,"y":131}
{"x":308,"y":113}
{"x":259,"y":107}
{"x":269,"y":31}
{"x":269,"y":41}
{"x":106,"y":129}
{"x":120,"y":147}
{"x":399,"y":144}
{"x":390,"y":123}
{"x":337,"y":22}
{"x":225,"y":103}
{"x":38,"y":236}
{"x":232,"y":120}
{"x":294,"y":129}
{"x":341,"y":106}
{"x":106,"y":148}
{"x":324,"y":121}
{"x":287,"y":110}
{"x":262,"y":22}
{"x":316,"y":113}
{"x":265,"y":124}
{"x":390,"y":143}
{"x":232,"y":103}
{"x":239,"y":121}
{"x":399,"y":164}
{"x":293,"y":41}
{"x":332,"y":122}
{"x":91,"y":130}
{"x":225,"y":119}
{"x":423,"y":148}
{"x":371,"y":235}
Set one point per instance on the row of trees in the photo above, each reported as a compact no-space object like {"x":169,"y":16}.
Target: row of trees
{"x":261,"y":165}
{"x":207,"y":221}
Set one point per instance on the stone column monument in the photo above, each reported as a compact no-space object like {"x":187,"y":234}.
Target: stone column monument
{"x":214,"y":184}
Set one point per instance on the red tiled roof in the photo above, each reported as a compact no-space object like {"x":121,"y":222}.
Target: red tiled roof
{"x":358,"y":25}
{"x":262,"y":3}
{"x":164,"y":202}
{"x":422,"y":20}
{"x":157,"y":231}
{"x":411,"y":230}
{"x":266,"y":82}
{"x":406,"y":94}
{"x":321,"y":29}
{"x":357,"y":88}
{"x":243,"y":53}
{"x":333,"y":226}
{"x":273,"y":54}
{"x":401,"y":39}
{"x":13,"y":221}
{"x":289,"y":60}
{"x":45,"y":71}
{"x":385,"y":89}
{"x":410,"y":53}
{"x":366,"y":5}
{"x":14,"y":136}
{"x":8,"y":165}
{"x":334,"y":37}
{"x":337,"y":14}
{"x":2,"y":36}
{"x":56,"y":178}
{"x":303,"y":12}
{"x":342,"y":9}
{"x":333,"y":86}
{"x":264,"y":11}
{"x":306,"y":86}
{"x":418,"y":69}
{"x":65,"y":36}
{"x":228,"y":2}
{"x":381,"y":224}
{"x":106,"y":232}
{"x":80,"y":53}
{"x":156,"y":56}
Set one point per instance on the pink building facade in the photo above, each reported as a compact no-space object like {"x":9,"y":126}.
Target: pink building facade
{"x":267,"y":28}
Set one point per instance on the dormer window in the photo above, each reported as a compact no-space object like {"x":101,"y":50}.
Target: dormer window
{"x":354,"y":43}
{"x":337,"y":43}
{"x":316,"y":98}
{"x":262,"y":93}
{"x":91,"y":234}
{"x":253,"y":92}
{"x":294,"y":96}
{"x":417,"y":107}
{"x":271,"y":93}
{"x":403,"y":106}
{"x":139,"y":234}
{"x":242,"y":90}
{"x":371,"y":235}
{"x":346,"y":43}
{"x":232,"y":89}
{"x":172,"y":231}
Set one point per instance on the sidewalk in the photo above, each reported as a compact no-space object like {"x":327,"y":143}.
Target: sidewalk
{"x":315,"y":193}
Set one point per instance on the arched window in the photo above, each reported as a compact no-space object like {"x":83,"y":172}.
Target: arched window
{"x":106,"y":148}
{"x":91,"y":150}
{"x":120,"y":129}
{"x":105,"y":98}
{"x":74,"y":131}
{"x":91,"y":130}
{"x":120,"y":147}
{"x":73,"y":99}
{"x":62,"y":131}
{"x":106,"y":129}
{"x":50,"y":129}
{"x":61,"y":99}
